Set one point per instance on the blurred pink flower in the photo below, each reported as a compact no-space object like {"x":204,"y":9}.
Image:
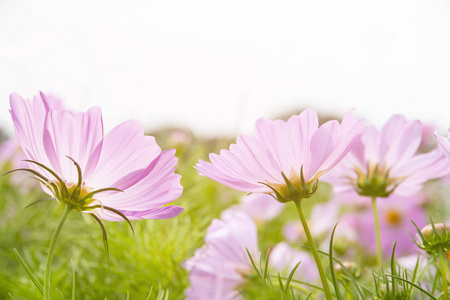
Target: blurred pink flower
{"x":283,"y":259}
{"x":218,"y":268}
{"x":123,"y":160}
{"x":428,"y":141}
{"x":260,"y":207}
{"x":11,"y":157}
{"x":298,"y":149}
{"x":444,"y":143}
{"x":395,"y":215}
{"x":9,"y":153}
{"x":322,"y":220}
{"x":386,"y":161}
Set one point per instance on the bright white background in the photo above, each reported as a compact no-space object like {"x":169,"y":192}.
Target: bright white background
{"x":216,"y":66}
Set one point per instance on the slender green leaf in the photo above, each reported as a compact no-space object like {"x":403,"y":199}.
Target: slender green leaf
{"x":280,"y":282}
{"x":149,"y":294}
{"x":333,"y":273}
{"x":266,"y":266}
{"x":22,"y":262}
{"x":253,"y":263}
{"x":288,"y":280}
{"x":11,"y":296}
{"x":394,"y":284}
{"x":60,"y":295}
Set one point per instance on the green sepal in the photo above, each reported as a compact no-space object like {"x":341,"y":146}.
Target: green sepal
{"x":39,"y":201}
{"x":277,"y":196}
{"x":293,"y":191}
{"x":64,"y":191}
{"x":114,"y":211}
{"x":105,"y":236}
{"x":76,"y":192}
{"x":89,"y":196}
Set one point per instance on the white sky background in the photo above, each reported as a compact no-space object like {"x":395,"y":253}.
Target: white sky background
{"x":217,"y":66}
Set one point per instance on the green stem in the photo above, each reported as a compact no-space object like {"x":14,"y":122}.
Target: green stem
{"x":48,"y":264}
{"x":314,"y":251}
{"x":444,"y":271}
{"x":377,"y":231}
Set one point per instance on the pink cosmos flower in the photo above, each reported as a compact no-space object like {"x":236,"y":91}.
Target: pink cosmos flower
{"x":386,"y":161}
{"x":122,"y":175}
{"x":297,"y":151}
{"x":218,"y":268}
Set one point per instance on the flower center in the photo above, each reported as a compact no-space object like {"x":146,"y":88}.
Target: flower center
{"x":294,"y":189}
{"x":77,"y":196}
{"x":393,"y":217}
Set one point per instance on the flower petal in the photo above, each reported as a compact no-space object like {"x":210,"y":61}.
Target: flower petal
{"x":125,"y":157}
{"x":160,"y":186}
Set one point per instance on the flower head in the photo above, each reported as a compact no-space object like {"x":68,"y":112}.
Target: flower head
{"x":220,"y":266}
{"x":284,"y":158}
{"x":386,"y":161}
{"x":123,"y":175}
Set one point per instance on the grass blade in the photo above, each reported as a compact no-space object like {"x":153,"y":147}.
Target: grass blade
{"x":11,"y":296}
{"x":288,"y":281}
{"x":73,"y":280}
{"x":60,"y":294}
{"x":37,"y":284}
{"x":149,"y":294}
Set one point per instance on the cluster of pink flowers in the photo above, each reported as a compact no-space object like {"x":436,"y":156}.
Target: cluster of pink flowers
{"x":296,"y":153}
{"x":126,"y":175}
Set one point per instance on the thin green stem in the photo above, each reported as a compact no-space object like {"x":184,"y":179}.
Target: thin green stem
{"x":314,"y":251}
{"x":48,"y":264}
{"x":377,"y":231}
{"x":444,"y":270}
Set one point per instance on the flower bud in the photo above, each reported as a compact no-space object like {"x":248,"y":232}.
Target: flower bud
{"x":351,"y":267}
{"x":440,"y":232}
{"x":435,"y":237}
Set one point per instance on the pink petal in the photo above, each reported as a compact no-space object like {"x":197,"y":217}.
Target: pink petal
{"x":78,"y":136}
{"x":28,"y":119}
{"x":400,"y":139}
{"x":125,"y":156}
{"x":160,"y":186}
